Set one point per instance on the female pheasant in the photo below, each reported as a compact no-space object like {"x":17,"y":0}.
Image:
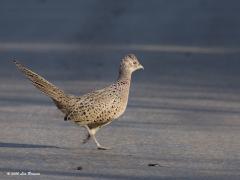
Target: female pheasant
{"x":95,"y":109}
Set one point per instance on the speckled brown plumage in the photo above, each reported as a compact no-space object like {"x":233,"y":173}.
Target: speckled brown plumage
{"x":95,"y":109}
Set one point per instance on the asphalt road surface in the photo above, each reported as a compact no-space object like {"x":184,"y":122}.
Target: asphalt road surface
{"x":182,"y":120}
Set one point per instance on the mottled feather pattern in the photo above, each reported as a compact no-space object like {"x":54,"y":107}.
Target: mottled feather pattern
{"x":95,"y":109}
{"x":101,"y":106}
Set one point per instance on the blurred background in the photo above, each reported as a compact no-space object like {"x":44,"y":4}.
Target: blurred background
{"x":183,"y":109}
{"x":190,"y":42}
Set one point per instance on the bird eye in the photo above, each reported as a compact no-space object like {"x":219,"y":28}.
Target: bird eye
{"x":134,"y":62}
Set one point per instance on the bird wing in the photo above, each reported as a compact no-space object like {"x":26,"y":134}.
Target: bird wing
{"x":96,"y":108}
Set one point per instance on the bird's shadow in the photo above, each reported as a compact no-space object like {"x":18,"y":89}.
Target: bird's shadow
{"x":20,"y":145}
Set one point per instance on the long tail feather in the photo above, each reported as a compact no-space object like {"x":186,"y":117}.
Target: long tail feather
{"x":42,"y":84}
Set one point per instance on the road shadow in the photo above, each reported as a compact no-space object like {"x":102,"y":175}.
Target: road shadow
{"x":20,"y":145}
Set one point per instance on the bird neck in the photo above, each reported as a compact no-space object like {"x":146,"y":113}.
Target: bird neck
{"x":123,"y":85}
{"x":124,"y":75}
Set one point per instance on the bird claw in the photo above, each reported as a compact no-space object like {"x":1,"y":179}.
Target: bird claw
{"x":103,"y":148}
{"x":86,"y":139}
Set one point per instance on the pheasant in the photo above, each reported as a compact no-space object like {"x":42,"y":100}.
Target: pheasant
{"x":95,"y":109}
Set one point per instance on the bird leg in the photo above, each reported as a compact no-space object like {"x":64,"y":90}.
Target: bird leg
{"x":99,"y":146}
{"x":92,"y":133}
{"x":86,"y":139}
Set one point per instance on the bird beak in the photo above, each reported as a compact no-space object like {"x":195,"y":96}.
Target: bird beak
{"x":140,"y":67}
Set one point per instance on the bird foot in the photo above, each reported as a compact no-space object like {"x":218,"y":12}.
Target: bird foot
{"x":86,"y":139}
{"x":103,"y":148}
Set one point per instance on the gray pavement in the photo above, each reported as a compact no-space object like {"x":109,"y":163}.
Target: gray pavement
{"x":184,"y":108}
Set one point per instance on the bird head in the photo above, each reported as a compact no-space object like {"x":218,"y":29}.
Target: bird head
{"x":130,"y":63}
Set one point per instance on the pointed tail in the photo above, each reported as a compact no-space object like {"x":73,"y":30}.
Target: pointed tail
{"x":42,"y":84}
